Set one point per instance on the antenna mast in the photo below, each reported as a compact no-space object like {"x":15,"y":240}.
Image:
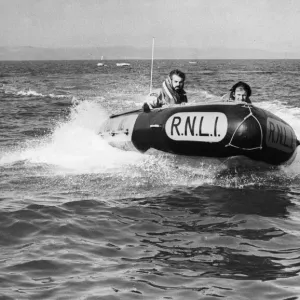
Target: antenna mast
{"x":152,"y":64}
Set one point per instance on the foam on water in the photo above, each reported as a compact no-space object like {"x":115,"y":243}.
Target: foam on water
{"x":28,"y":92}
{"x":74,"y":146}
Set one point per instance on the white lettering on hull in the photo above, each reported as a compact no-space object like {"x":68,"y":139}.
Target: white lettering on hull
{"x":197,"y":126}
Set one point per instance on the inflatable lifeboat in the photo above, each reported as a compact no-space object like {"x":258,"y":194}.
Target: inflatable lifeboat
{"x":218,"y":130}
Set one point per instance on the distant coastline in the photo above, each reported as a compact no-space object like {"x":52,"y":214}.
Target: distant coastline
{"x":125,"y":52}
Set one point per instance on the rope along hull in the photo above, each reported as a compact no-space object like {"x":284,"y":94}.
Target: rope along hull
{"x":210,"y":130}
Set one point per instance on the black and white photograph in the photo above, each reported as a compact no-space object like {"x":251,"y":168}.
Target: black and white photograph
{"x":149,"y":150}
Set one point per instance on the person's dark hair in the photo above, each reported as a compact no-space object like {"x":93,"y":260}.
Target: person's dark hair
{"x":243,"y":85}
{"x":178,"y":73}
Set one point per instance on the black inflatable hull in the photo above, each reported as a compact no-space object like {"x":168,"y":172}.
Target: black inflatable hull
{"x":211,"y":130}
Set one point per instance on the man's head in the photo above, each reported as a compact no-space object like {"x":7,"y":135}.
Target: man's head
{"x":177,"y":79}
{"x":241,"y":91}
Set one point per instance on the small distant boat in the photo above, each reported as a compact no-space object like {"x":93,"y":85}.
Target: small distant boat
{"x":122,"y":64}
{"x":192,"y":62}
{"x":101,"y":64}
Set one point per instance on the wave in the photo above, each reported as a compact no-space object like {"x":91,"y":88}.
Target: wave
{"x":74,"y":147}
{"x":249,"y":72}
{"x":31,"y":93}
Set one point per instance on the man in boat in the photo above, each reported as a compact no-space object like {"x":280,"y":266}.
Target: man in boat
{"x":172,"y":92}
{"x":240,"y":92}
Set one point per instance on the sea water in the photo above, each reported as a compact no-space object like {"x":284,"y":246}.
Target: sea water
{"x":80,"y":219}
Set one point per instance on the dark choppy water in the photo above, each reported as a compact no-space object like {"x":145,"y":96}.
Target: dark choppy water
{"x":82,"y":220}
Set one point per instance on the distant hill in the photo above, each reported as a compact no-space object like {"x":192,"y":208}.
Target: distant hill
{"x":123,"y":52}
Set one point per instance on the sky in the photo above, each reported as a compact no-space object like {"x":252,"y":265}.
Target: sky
{"x":271,"y":25}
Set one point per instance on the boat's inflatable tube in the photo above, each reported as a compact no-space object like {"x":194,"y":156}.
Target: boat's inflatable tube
{"x":212,"y":130}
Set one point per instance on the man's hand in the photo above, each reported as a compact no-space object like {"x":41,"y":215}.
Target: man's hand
{"x":146,"y":108}
{"x":151,"y":98}
{"x":150,"y":102}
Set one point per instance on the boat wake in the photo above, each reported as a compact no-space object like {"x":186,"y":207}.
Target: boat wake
{"x":75,"y":148}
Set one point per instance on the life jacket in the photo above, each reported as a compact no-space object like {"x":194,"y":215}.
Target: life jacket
{"x":169,"y":96}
